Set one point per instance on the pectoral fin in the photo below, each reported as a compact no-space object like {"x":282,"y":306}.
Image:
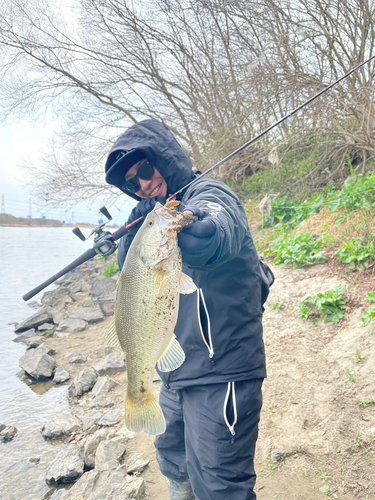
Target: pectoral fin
{"x":186,"y":284}
{"x":111,"y":338}
{"x":172,"y":358}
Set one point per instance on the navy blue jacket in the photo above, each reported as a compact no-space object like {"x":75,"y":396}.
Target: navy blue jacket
{"x":220,"y":326}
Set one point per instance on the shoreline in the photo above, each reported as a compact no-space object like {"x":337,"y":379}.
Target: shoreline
{"x":85,"y":290}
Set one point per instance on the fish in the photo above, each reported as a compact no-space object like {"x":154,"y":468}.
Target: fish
{"x":146,"y":311}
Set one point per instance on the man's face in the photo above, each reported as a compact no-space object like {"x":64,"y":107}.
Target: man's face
{"x":156,"y":186}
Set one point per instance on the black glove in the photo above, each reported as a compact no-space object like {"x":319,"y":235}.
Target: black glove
{"x":145,"y":206}
{"x":199,"y":242}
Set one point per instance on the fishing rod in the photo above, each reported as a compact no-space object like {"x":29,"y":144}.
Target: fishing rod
{"x":105,"y":241}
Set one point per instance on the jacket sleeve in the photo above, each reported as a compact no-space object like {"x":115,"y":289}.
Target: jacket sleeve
{"x":227,"y":214}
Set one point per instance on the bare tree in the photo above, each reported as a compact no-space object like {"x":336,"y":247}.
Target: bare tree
{"x":215,"y":71}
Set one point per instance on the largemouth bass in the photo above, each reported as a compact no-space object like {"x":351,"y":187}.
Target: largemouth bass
{"x":146,"y":313}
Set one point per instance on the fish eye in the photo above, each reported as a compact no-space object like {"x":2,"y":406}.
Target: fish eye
{"x":150,"y":223}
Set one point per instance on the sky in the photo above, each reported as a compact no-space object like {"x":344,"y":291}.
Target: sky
{"x":21,"y":140}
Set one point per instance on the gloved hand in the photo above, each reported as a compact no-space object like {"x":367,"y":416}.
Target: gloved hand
{"x":200,"y":240}
{"x":145,"y":206}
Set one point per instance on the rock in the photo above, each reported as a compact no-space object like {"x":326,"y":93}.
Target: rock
{"x":59,"y":316}
{"x":84,"y":382}
{"x":61,"y":375}
{"x":102,"y":402}
{"x":67,"y":467}
{"x":73,"y":325}
{"x":123,"y":435}
{"x":33,"y":342}
{"x":109,"y":365}
{"x":46,"y":326}
{"x":135,"y":487}
{"x":25,"y":335}
{"x":2,"y":427}
{"x":57,"y":494}
{"x":24,"y":377}
{"x":91,"y":420}
{"x":104,"y":286}
{"x":106,"y":485}
{"x":61,"y":427}
{"x":86,"y":314}
{"x":79,"y":286}
{"x":52,"y":297}
{"x":277,"y":456}
{"x":44,"y":315}
{"x":103,"y":350}
{"x":104,"y":433}
{"x":34,"y":304}
{"x":80,"y":358}
{"x":136,"y":463}
{"x":89,"y":303}
{"x":107,"y":303}
{"x":38,"y":364}
{"x":8,"y":433}
{"x":103,"y":386}
{"x":108,"y":455}
{"x":89,"y":452}
{"x":112,"y":417}
{"x":33,"y":462}
{"x":46,"y":349}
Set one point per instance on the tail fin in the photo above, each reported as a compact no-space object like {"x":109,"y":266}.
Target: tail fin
{"x":146,"y":416}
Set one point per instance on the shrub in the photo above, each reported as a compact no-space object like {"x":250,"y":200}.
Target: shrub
{"x":330,"y":305}
{"x":300,"y":249}
{"x":110,"y":270}
{"x":370,"y":313}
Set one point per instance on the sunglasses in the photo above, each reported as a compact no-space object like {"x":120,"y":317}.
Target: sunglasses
{"x":145,"y":172}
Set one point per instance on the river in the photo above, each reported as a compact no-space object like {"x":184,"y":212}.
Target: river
{"x":28,"y":256}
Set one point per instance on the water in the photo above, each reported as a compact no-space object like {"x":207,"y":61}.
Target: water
{"x":28,"y":256}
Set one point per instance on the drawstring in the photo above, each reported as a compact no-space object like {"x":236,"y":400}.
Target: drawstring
{"x":230,"y":427}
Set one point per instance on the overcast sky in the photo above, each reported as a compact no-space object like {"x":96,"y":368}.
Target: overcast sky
{"x":21,"y":140}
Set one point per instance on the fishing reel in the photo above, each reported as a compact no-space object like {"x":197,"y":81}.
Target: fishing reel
{"x":104,"y":243}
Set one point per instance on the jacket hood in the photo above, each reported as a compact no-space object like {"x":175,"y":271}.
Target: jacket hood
{"x":154,"y":140}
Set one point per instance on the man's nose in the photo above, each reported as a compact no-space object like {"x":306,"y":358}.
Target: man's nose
{"x":145,"y":183}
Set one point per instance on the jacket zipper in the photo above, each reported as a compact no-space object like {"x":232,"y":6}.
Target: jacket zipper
{"x":209,"y":343}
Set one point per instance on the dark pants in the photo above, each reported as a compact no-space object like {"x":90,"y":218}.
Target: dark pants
{"x":199,"y":445}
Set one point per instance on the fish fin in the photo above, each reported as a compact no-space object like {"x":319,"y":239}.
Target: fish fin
{"x":172,"y":358}
{"x":186,"y":284}
{"x":146,"y":416}
{"x":111,"y":338}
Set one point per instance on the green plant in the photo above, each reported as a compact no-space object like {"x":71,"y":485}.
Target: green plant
{"x":350,"y":375}
{"x":110,"y":270}
{"x":277,"y":304}
{"x":368,"y":401}
{"x":358,"y":191}
{"x":358,"y":354}
{"x":330,"y":305}
{"x":101,"y":257}
{"x":300,"y":249}
{"x":357,"y":252}
{"x":370,"y":313}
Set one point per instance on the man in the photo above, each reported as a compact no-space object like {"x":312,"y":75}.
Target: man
{"x":212,"y":402}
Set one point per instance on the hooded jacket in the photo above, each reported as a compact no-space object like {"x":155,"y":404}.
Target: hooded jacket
{"x":219,"y":326}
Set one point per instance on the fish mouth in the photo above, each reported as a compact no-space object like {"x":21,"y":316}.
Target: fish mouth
{"x":172,"y":218}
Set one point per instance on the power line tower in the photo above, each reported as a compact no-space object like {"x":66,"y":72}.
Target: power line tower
{"x":72,"y":217}
{"x":2,"y":204}
{"x":30,"y":214}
